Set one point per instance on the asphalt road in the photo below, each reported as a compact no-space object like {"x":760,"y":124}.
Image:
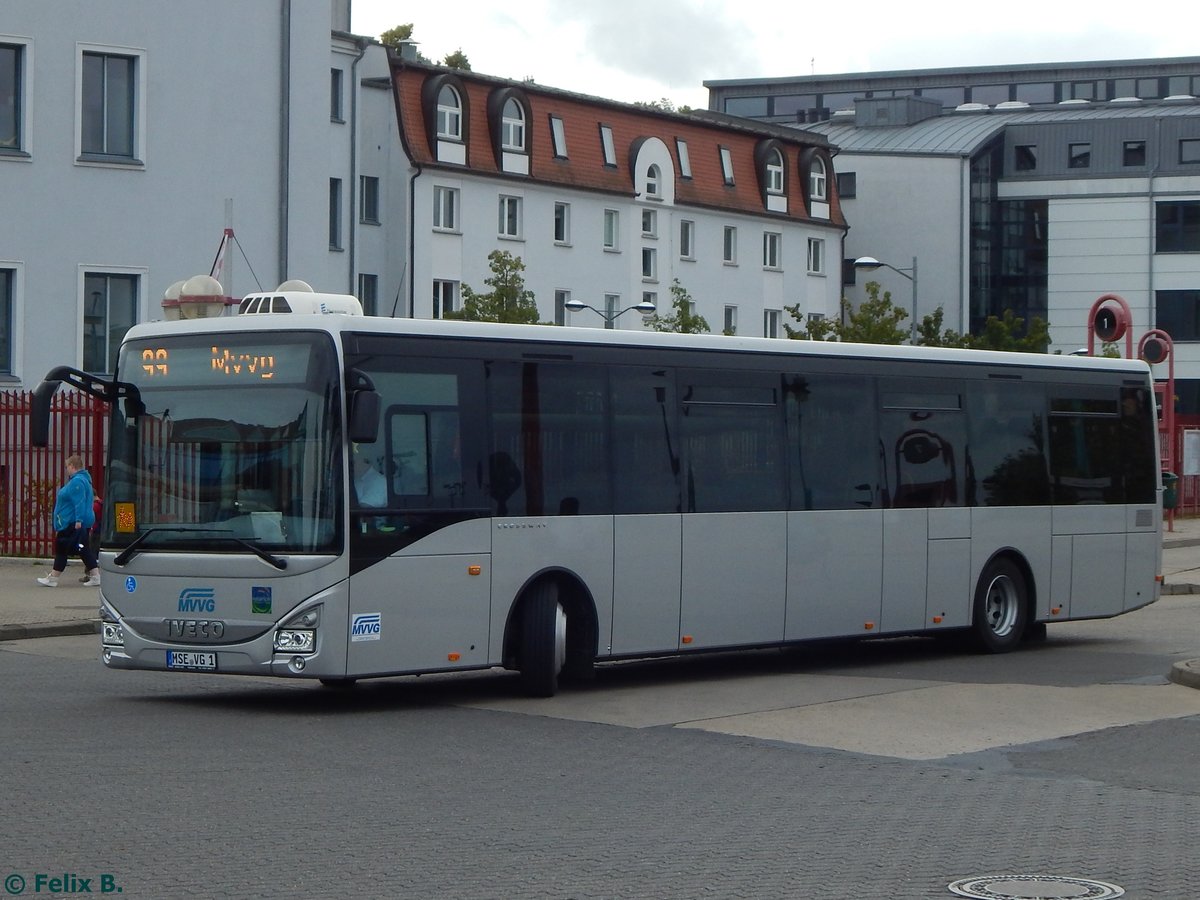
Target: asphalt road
{"x":878,"y":770}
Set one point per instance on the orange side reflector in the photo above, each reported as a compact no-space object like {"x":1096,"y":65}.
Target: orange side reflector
{"x":474,"y":570}
{"x":1055,"y":610}
{"x":1159,"y":579}
{"x":687,"y":639}
{"x":126,"y":517}
{"x":869,"y":626}
{"x":937,"y":620}
{"x":453,"y":657}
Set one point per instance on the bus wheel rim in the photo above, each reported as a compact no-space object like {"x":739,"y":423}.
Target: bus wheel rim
{"x":1002,"y":606}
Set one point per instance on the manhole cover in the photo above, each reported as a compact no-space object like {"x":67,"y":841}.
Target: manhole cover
{"x":1034,"y":887}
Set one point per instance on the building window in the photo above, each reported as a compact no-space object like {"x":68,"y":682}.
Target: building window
{"x":818,"y":183}
{"x":335,"y":214}
{"x":560,"y":307}
{"x":558,"y":135}
{"x":1079,"y":156}
{"x":7,"y":287}
{"x":612,"y":229}
{"x":847,"y":184}
{"x":335,"y":95}
{"x":510,"y":217}
{"x":562,"y":223}
{"x":685,"y":163}
{"x":108,"y":103}
{"x":775,"y":172}
{"x":771,"y":322}
{"x":649,"y":263}
{"x":445,"y":208}
{"x":607,"y":145}
{"x":727,"y":165}
{"x":816,"y":256}
{"x":730,"y":320}
{"x":649,"y":223}
{"x":612,"y":303}
{"x":1189,"y":151}
{"x":653,"y":182}
{"x":445,"y":298}
{"x":729,"y":251}
{"x":1133,"y":153}
{"x":110,"y":304}
{"x":368,"y":199}
{"x":771,"y":240}
{"x":1178,"y":314}
{"x":368,"y":293}
{"x":1178,"y":228}
{"x":1025,"y":157}
{"x":687,"y":239}
{"x":12,"y":100}
{"x":449,"y":114}
{"x":512,"y":126}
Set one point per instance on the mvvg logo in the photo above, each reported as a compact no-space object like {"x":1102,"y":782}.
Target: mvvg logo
{"x":366,"y":627}
{"x":197,"y":600}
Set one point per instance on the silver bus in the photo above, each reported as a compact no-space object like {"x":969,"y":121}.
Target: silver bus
{"x":340,"y":497}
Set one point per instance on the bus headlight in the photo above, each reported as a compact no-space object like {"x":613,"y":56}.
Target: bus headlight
{"x":112,"y":634}
{"x":295,"y":640}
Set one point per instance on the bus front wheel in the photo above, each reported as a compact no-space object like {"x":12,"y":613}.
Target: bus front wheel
{"x":1001,"y":607}
{"x":543,"y":640}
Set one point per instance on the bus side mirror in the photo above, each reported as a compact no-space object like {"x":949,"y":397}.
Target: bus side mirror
{"x":364,"y":416}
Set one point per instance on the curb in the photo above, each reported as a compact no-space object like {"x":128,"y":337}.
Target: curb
{"x":1186,"y":673}
{"x":1171,"y":589}
{"x":49,"y":629}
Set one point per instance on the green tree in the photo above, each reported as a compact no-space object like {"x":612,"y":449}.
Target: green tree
{"x":1008,"y":333}
{"x":394,"y":37}
{"x":665,"y":104}
{"x":681,"y":319}
{"x":814,"y":329}
{"x":457,"y":60}
{"x":508,"y":301}
{"x":930,"y":333}
{"x":876,"y":321}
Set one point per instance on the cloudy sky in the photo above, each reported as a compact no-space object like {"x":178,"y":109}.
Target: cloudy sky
{"x":640,"y":50}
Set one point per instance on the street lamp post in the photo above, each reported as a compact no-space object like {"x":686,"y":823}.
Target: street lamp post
{"x":870,"y":263}
{"x":646,"y":308}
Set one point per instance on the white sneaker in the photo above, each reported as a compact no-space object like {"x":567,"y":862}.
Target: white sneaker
{"x":92,"y":581}
{"x":48,"y":581}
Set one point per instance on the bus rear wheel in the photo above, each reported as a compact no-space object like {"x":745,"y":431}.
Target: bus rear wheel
{"x":1001,"y":608}
{"x":543,"y":640}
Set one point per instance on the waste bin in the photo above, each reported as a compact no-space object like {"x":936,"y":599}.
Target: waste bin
{"x":1170,"y":483}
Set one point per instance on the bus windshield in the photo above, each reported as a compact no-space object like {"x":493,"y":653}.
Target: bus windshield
{"x":227,"y":441}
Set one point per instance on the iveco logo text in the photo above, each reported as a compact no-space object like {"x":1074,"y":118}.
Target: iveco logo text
{"x":197,"y":600}
{"x":366,"y":627}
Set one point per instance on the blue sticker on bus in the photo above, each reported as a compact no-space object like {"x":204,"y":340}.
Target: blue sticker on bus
{"x":130,"y":584}
{"x":260,"y":599}
{"x":366,"y":627}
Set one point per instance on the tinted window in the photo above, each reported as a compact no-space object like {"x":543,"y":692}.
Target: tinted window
{"x":833,"y":442}
{"x":1006,"y":456}
{"x":1085,"y":454}
{"x":645,"y":441}
{"x":734,"y":451}
{"x":923,"y":442}
{"x":1137,"y":444}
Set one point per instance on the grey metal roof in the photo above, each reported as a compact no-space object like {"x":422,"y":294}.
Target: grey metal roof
{"x":963,"y":133}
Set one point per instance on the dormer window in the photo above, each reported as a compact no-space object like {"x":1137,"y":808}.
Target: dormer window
{"x":654,"y":183}
{"x":817,"y":180}
{"x":775,"y":172}
{"x":513,"y":126}
{"x":449,"y":114}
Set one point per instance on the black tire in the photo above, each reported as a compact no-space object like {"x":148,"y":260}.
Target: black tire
{"x":1001,"y":609}
{"x":543,"y":640}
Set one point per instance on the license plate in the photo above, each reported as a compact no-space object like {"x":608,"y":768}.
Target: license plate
{"x":187,"y":659}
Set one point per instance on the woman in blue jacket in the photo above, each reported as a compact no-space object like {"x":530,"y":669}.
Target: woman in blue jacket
{"x":73,"y":516}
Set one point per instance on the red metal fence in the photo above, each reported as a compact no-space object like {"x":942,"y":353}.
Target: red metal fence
{"x":31,"y":476}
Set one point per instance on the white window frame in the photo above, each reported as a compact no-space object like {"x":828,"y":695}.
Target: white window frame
{"x":139,"y":275}
{"x":649,"y":264}
{"x":368,"y":199}
{"x":771,"y":320}
{"x":818,"y":180}
{"x":562,"y":224}
{"x":558,"y":135}
{"x":446,"y":204}
{"x":609,"y":148}
{"x":731,"y":315}
{"x":16,"y":272}
{"x":729,"y":245}
{"x":816,"y":256}
{"x":653,"y":182}
{"x":687,"y":239}
{"x":612,"y":303}
{"x":775,"y":172}
{"x":445,"y":297}
{"x":561,"y":298}
{"x":685,"y":162}
{"x":650,"y":223}
{"x":512,"y":128}
{"x":138,"y":155}
{"x":772,"y":250}
{"x":509,"y":225}
{"x":612,"y":230}
{"x":23,"y":146}
{"x":727,"y":165}
{"x":449,"y":116}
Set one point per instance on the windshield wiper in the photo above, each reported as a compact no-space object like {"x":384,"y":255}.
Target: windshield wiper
{"x":132,"y":550}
